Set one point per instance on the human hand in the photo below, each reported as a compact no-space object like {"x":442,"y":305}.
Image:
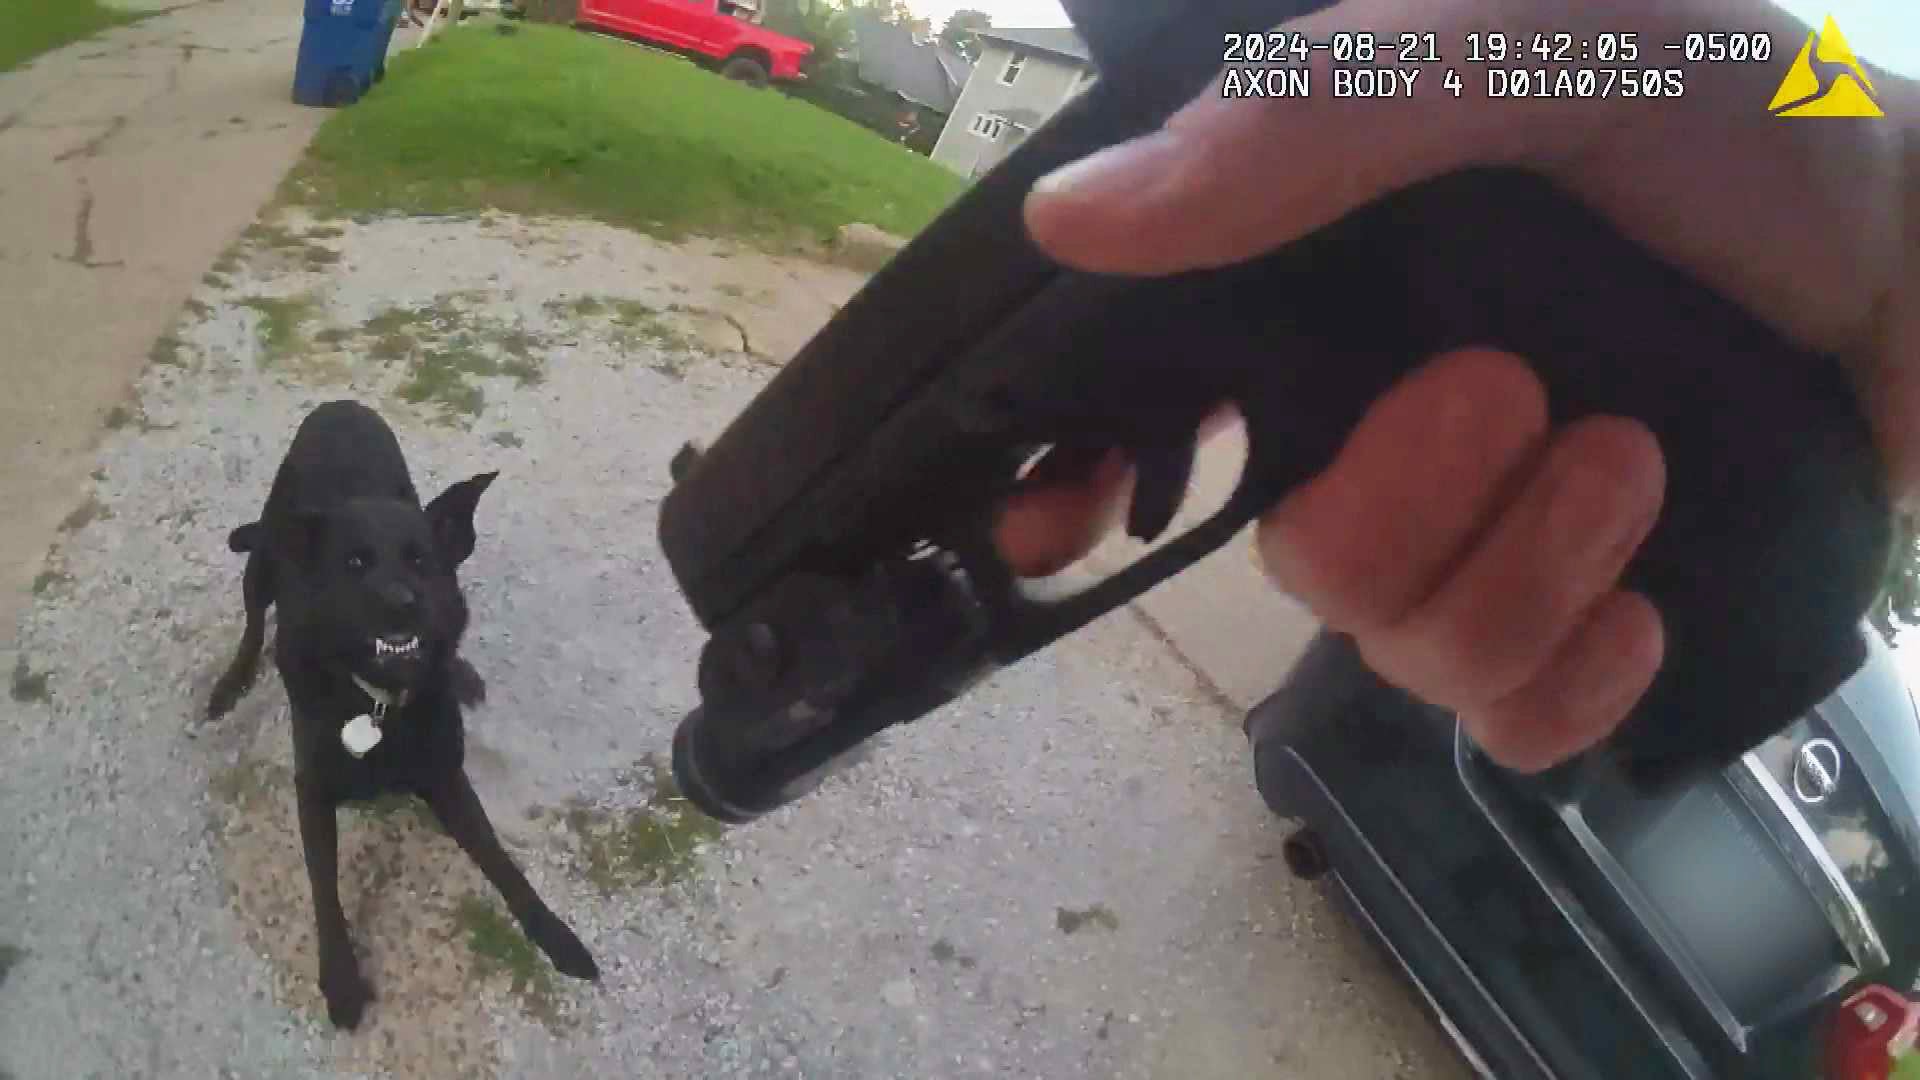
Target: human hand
{"x":1472,"y":551}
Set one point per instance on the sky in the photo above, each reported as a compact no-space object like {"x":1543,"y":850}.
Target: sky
{"x":1007,"y":13}
{"x":1886,"y":32}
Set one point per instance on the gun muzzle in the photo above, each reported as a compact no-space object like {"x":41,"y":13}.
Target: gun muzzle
{"x":793,"y":685}
{"x":725,"y":785}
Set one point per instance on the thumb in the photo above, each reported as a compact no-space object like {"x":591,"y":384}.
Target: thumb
{"x":1228,"y":178}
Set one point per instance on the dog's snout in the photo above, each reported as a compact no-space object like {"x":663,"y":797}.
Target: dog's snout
{"x":400,"y":597}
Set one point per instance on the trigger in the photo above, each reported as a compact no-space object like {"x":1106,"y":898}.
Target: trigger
{"x":1160,"y":486}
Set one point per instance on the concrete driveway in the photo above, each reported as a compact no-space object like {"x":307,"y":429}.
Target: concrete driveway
{"x":1069,"y":874}
{"x":127,"y":163}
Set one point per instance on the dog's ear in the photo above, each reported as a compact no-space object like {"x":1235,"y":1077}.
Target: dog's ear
{"x":295,"y":535}
{"x":451,"y":515}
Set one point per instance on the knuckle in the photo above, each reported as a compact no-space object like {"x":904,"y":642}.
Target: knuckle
{"x":1358,"y":587}
{"x":1490,"y":657}
{"x":1610,"y":460}
{"x":1505,"y":731}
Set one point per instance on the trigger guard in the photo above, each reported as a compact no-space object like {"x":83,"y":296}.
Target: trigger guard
{"x":1161,"y":474}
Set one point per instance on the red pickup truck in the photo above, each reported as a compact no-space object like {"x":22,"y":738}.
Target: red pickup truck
{"x":725,"y":33}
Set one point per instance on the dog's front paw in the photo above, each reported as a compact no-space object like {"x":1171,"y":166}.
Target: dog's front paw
{"x":228,"y":691}
{"x":348,"y":993}
{"x":562,"y":946}
{"x":469,"y":689}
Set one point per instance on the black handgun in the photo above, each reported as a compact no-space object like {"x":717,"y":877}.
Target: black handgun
{"x":835,"y":539}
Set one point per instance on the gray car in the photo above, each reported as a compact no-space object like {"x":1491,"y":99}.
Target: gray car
{"x":1579,"y":929}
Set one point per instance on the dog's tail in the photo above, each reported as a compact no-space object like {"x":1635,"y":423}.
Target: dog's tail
{"x":244,"y":539}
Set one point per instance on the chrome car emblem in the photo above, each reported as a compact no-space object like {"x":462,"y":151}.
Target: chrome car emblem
{"x":1816,"y":771}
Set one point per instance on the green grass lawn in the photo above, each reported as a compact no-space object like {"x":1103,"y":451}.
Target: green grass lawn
{"x":555,"y":121}
{"x":31,"y":27}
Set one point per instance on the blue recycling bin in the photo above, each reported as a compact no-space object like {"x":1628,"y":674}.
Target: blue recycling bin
{"x":383,"y":38}
{"x":342,"y":45}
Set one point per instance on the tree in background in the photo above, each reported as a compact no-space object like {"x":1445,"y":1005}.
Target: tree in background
{"x":1899,"y":605}
{"x":827,"y":26}
{"x":832,"y":68}
{"x":889,"y":11}
{"x":819,"y":23}
{"x":958,"y":33}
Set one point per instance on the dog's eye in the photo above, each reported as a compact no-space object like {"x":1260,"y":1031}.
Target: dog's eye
{"x":356,"y":561}
{"x":418,"y":559}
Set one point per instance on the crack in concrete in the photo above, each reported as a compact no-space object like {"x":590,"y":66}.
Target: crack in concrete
{"x":83,"y":234}
{"x":746,"y":343}
{"x":1215,"y":694}
{"x":83,"y":228}
{"x":91,"y":148}
{"x":96,"y":966}
{"x":104,"y":53}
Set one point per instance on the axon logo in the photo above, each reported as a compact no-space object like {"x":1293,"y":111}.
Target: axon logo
{"x":1826,"y":79}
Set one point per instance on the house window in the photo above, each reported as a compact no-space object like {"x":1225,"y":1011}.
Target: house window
{"x":1080,"y":83}
{"x":987,"y":126}
{"x":1012,"y":70}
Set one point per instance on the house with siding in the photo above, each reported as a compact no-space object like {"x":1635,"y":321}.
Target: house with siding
{"x":1019,"y":81}
{"x":907,"y":71}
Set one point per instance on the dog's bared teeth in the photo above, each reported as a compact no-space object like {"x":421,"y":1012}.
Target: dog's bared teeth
{"x":387,"y":647}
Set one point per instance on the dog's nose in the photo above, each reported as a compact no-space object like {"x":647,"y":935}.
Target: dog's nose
{"x":400,"y":598}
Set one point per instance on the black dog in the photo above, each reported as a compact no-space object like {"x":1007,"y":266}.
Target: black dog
{"x":370,"y":620}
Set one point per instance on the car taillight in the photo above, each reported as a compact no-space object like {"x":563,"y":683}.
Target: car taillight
{"x":1873,"y":1028}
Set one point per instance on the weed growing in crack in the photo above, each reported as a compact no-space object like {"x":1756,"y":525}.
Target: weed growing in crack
{"x":263,"y":236}
{"x":394,"y":807}
{"x":500,"y":948}
{"x":657,"y":844}
{"x":282,"y":328}
{"x":1070,"y":921}
{"x":250,"y":783}
{"x":445,"y":347}
{"x":29,"y":686}
{"x":166,"y":351}
{"x":634,"y":326}
{"x":84,"y":515}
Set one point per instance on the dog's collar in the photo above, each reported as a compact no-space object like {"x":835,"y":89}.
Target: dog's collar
{"x":362,"y":733}
{"x":384,"y":701}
